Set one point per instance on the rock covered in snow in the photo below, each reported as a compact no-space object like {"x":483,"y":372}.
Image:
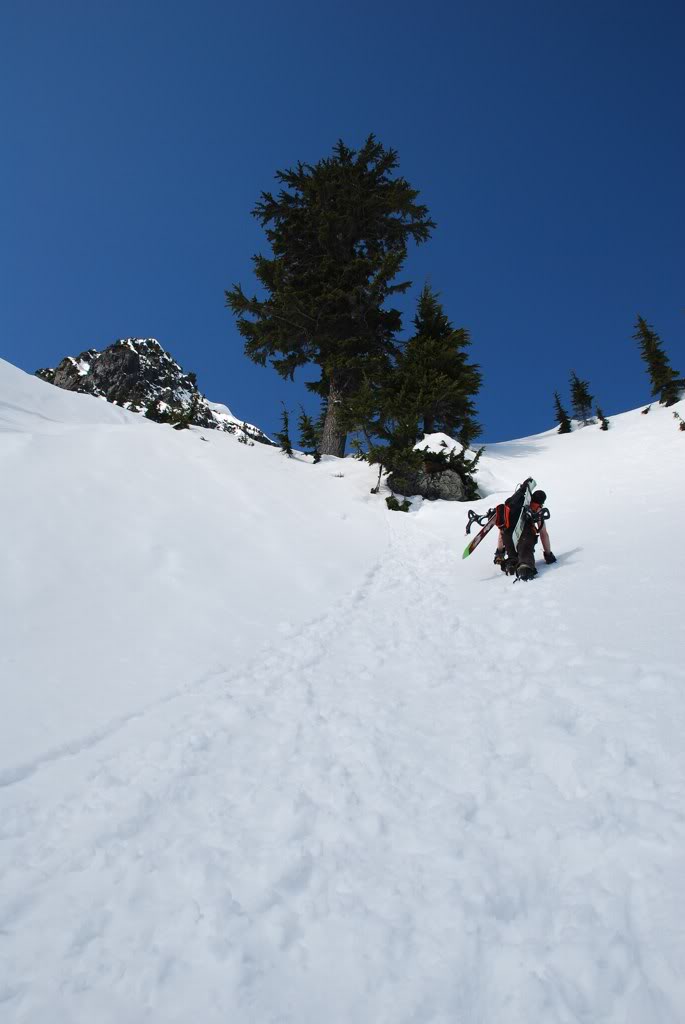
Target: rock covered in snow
{"x":137,"y":373}
{"x":430,"y":481}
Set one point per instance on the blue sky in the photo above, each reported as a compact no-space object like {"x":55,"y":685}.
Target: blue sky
{"x":546,"y":139}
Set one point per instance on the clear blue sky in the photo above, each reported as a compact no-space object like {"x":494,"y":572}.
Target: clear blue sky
{"x":547,"y":140}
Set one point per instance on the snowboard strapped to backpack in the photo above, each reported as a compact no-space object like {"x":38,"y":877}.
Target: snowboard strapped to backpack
{"x":513,"y":514}
{"x":507,"y":514}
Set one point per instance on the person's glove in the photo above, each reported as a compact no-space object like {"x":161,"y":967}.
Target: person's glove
{"x":549,"y":557}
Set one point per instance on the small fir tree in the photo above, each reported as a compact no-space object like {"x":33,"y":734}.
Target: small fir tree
{"x":428,"y":385}
{"x":581,"y":399}
{"x":681,"y":421}
{"x":185,"y":417}
{"x":395,"y":506}
{"x":309,"y":435}
{"x":603,"y":421}
{"x":156,"y":412}
{"x":283,"y":435}
{"x":433,"y":378}
{"x":561,"y":416}
{"x":664,"y":378}
{"x":244,"y":436}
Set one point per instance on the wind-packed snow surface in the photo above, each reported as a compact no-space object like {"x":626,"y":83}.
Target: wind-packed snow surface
{"x":270,"y":753}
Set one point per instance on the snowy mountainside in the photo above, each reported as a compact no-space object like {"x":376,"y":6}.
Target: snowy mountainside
{"x":149,"y":556}
{"x":137,"y":373}
{"x":271,"y":753}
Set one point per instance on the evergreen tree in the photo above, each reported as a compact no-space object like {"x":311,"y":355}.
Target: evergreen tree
{"x":433,"y":379}
{"x":390,"y":429}
{"x":283,"y":435}
{"x":156,"y":413}
{"x":581,"y":399}
{"x":339,"y":232}
{"x":395,"y":506}
{"x":603,"y":421}
{"x":664,"y":378}
{"x":185,"y":417}
{"x":309,"y":435}
{"x":244,"y":437}
{"x":679,"y":418}
{"x":425,"y":386}
{"x":561,"y":416}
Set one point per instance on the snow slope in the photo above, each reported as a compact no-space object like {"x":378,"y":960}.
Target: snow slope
{"x":142,"y":558}
{"x":273,"y":754}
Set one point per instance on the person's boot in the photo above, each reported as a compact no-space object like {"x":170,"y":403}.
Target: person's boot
{"x":500,"y":555}
{"x":525,"y":573}
{"x":510,"y":566}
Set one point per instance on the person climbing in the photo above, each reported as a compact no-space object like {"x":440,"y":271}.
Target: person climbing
{"x":520,"y":560}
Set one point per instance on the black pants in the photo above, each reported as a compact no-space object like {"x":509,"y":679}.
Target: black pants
{"x":525,"y":554}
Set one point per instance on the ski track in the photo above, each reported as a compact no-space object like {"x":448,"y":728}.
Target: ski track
{"x":388,"y":817}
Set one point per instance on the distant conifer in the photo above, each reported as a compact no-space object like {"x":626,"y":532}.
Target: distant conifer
{"x":156,"y":412}
{"x":581,"y":399}
{"x":561,"y":416}
{"x":603,"y":421}
{"x":309,"y":435}
{"x":664,"y":378}
{"x":185,"y":417}
{"x":244,"y":437}
{"x":283,"y":435}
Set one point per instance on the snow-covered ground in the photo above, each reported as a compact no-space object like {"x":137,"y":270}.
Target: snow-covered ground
{"x":270,"y":753}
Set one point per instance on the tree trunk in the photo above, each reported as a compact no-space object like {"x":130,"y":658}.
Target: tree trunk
{"x":333,"y":437}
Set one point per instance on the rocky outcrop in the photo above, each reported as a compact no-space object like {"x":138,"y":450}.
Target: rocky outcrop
{"x":438,"y":468}
{"x":447,"y":485}
{"x":138,"y":374}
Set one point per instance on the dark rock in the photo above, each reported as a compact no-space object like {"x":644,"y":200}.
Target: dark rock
{"x":447,"y":485}
{"x":138,"y":374}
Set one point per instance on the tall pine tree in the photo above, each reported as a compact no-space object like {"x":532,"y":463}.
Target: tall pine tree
{"x":339,"y":232}
{"x":581,"y":399}
{"x":664,"y":379}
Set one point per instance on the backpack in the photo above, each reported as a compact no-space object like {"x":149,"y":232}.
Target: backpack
{"x":507,"y":514}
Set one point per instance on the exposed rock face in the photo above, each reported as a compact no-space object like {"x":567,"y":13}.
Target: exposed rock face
{"x":138,"y":374}
{"x":447,"y":485}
